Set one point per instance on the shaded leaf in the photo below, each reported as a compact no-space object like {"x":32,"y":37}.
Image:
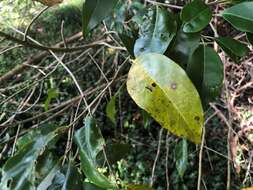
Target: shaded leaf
{"x":181,"y":156}
{"x":114,"y":152}
{"x":111,"y":110}
{"x":94,"y":11}
{"x":90,"y":186}
{"x":90,"y":143}
{"x":250,"y":38}
{"x":205,"y":69}
{"x":156,"y":32}
{"x":233,"y":48}
{"x":195,"y":16}
{"x":183,"y":47}
{"x":240,"y":16}
{"x":129,"y":41}
{"x":20,"y":168}
{"x":162,"y":88}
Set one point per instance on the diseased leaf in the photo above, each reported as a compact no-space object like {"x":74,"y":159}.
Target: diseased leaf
{"x":94,"y":11}
{"x":138,"y":187}
{"x":240,"y":16}
{"x":162,"y":88}
{"x":250,"y":38}
{"x":181,"y":156}
{"x":233,"y":48}
{"x":111,"y":110}
{"x":205,"y":69}
{"x":90,"y":143}
{"x":19,"y":169}
{"x":183,"y":47}
{"x":156,"y":32}
{"x":195,"y":16}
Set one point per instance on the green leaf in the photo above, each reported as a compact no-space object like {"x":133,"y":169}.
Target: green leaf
{"x":181,"y":156}
{"x":138,"y":187}
{"x":90,"y":143}
{"x":156,"y":32}
{"x":114,"y":152}
{"x":183,"y":47}
{"x":111,"y":110}
{"x":129,"y":41}
{"x":162,"y":88}
{"x":52,"y":93}
{"x":250,"y":38}
{"x":90,"y":186}
{"x":205,"y":69}
{"x":94,"y":11}
{"x":240,"y":16}
{"x":233,"y":48}
{"x":20,"y":168}
{"x":195,"y":16}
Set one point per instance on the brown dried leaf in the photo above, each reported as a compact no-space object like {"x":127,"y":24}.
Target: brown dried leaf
{"x":49,"y":2}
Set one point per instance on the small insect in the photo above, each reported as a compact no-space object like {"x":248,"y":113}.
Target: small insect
{"x":49,"y":2}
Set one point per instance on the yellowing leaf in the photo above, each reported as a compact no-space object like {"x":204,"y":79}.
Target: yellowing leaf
{"x":49,"y":2}
{"x":162,"y":88}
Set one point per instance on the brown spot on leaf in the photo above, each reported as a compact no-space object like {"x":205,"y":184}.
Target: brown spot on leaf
{"x":197,"y":118}
{"x":148,"y":88}
{"x":153,"y":84}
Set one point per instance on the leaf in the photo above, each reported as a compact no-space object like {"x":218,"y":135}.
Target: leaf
{"x":49,"y":2}
{"x":162,"y":88}
{"x":90,"y":143}
{"x":94,"y":11}
{"x":52,"y":93}
{"x":183,"y":47}
{"x":129,"y":41}
{"x":114,"y":152}
{"x":111,"y":110}
{"x":250,"y":38}
{"x":233,"y":48}
{"x":20,"y":168}
{"x":156,"y":32}
{"x":90,"y":186}
{"x":181,"y":156}
{"x":138,"y":187}
{"x":195,"y":16}
{"x":205,"y":69}
{"x":240,"y":16}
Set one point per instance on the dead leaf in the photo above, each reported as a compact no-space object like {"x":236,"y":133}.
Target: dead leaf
{"x":49,"y":2}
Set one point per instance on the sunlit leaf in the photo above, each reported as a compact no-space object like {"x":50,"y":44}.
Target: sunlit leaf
{"x":90,"y":143}
{"x":162,"y":88}
{"x":195,"y":16}
{"x":94,"y":11}
{"x":181,"y":156}
{"x":240,"y":16}
{"x":156,"y":32}
{"x":205,"y":69}
{"x":111,"y":110}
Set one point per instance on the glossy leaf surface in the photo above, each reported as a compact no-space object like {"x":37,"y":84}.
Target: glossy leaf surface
{"x":205,"y":69}
{"x":156,"y":32}
{"x":195,"y":16}
{"x":20,"y":167}
{"x":233,"y":48}
{"x":90,"y":143}
{"x":94,"y":11}
{"x":240,"y":16}
{"x":162,"y":88}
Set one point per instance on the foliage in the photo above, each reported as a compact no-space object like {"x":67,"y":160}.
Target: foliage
{"x":174,"y":76}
